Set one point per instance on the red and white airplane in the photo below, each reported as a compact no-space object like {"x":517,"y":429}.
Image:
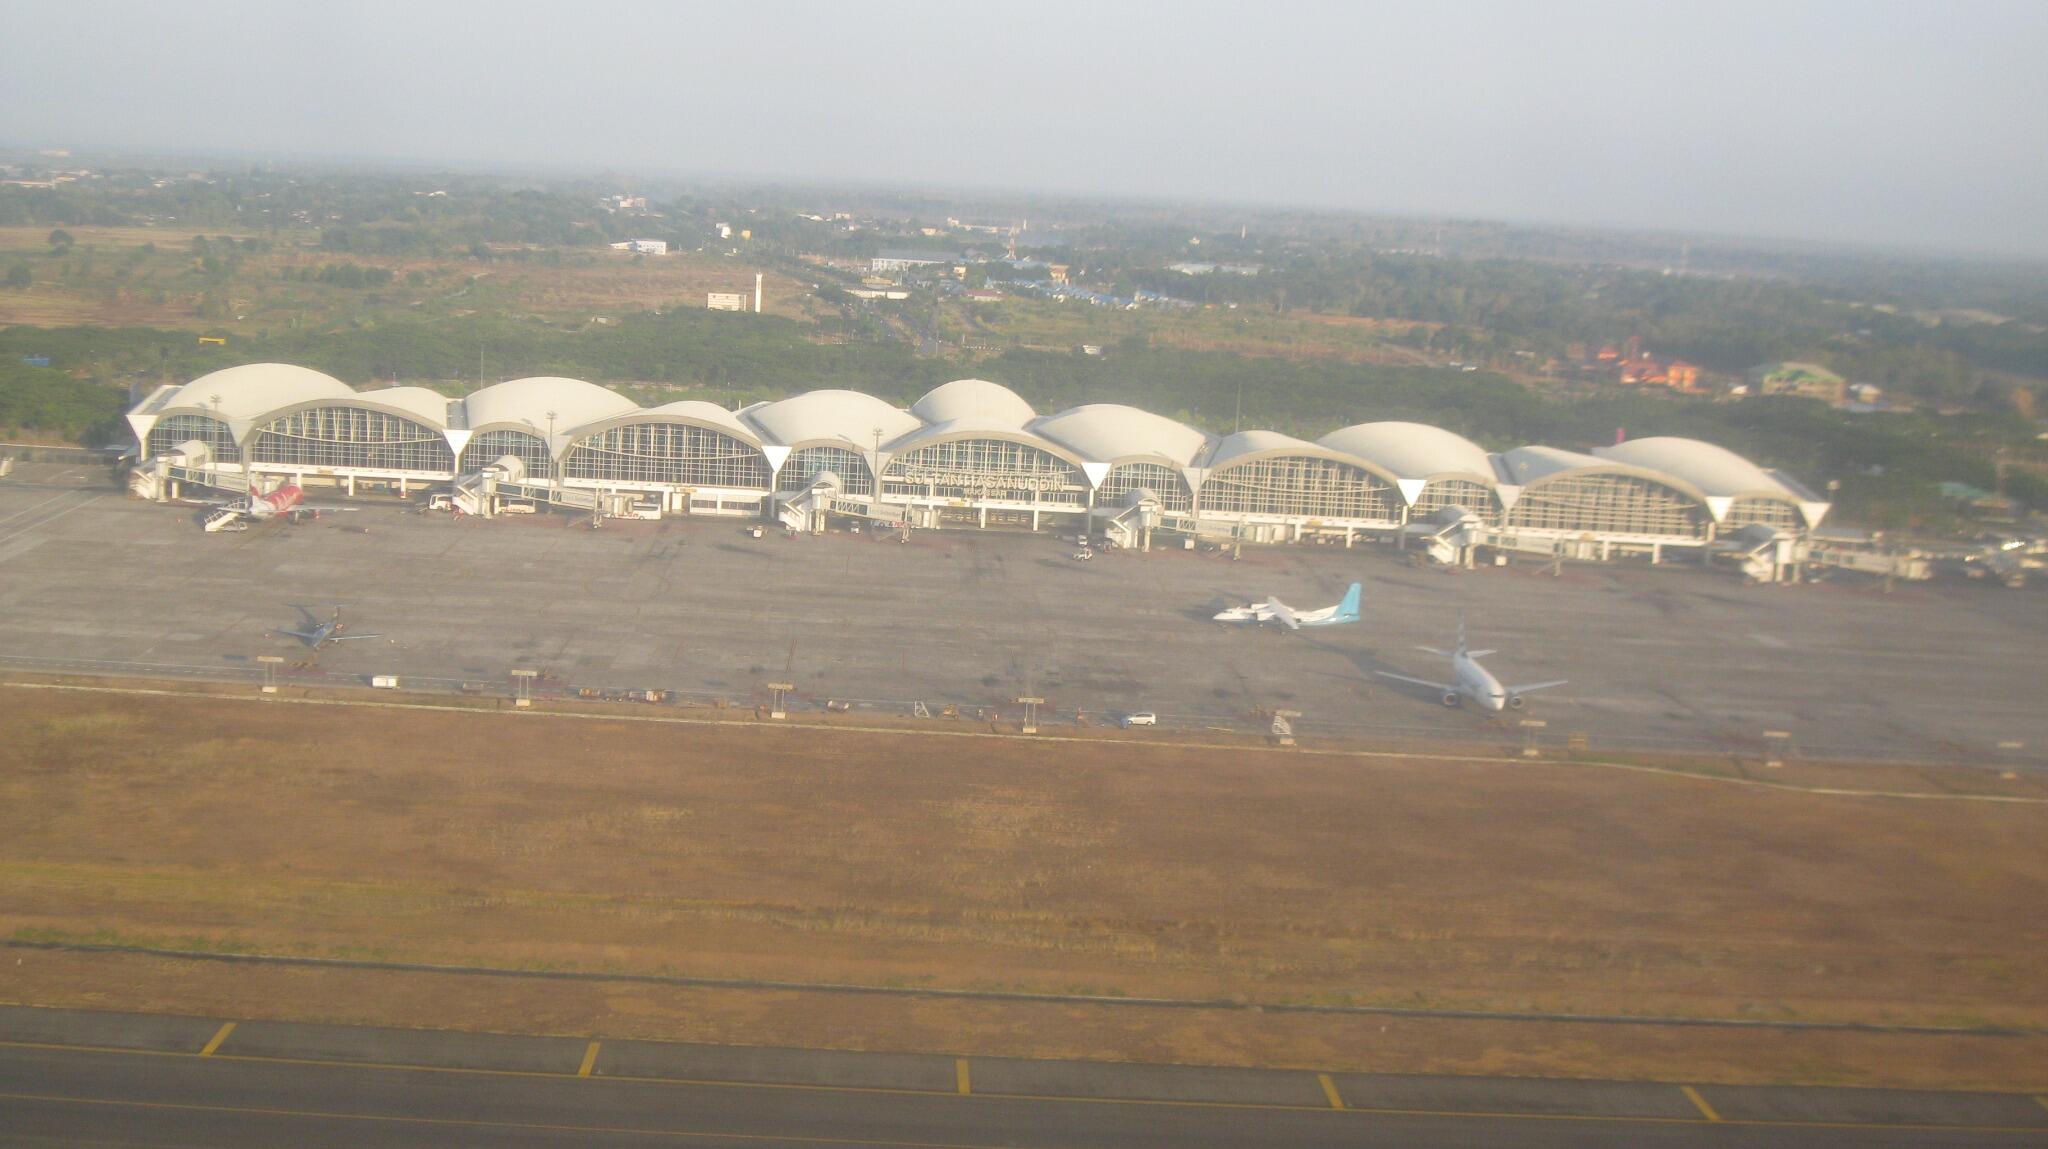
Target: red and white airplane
{"x":286,"y":501}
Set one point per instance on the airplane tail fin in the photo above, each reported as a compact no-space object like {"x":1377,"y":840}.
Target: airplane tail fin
{"x":1347,"y":611}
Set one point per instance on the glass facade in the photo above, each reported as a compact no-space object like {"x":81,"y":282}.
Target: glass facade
{"x":1474,"y":497}
{"x":1608,"y":504}
{"x":175,"y":429}
{"x":1773,"y":512}
{"x":675,"y":454}
{"x":985,"y":469}
{"x":486,"y":448}
{"x":1161,"y":480}
{"x":806,"y":464}
{"x":1302,"y":486}
{"x":352,"y":437}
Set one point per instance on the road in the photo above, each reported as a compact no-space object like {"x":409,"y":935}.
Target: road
{"x":76,"y":1077}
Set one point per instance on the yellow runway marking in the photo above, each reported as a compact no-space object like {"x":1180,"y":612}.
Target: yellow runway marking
{"x":961,"y":1077}
{"x":589,"y":1060}
{"x":219,"y":1036}
{"x":1330,"y":1091}
{"x":800,"y":1087}
{"x":1699,"y":1103}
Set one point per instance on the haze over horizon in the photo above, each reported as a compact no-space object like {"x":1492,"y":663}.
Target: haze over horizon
{"x":1884,"y":124}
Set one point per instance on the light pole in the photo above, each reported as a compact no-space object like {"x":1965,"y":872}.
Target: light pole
{"x":875,"y":470}
{"x":551,"y":445}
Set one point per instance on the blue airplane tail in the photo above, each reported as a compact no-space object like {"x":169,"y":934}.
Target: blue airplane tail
{"x":1347,"y":611}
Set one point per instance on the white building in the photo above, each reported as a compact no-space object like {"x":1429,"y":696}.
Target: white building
{"x":970,"y":454}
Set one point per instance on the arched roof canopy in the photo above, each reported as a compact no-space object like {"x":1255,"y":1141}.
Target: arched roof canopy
{"x":253,"y":392}
{"x":1715,"y":470}
{"x":1415,"y":451}
{"x":695,"y":412}
{"x":425,"y":408}
{"x":1113,"y":433}
{"x":974,"y":399}
{"x":829,"y":418}
{"x":523,"y":405}
{"x":957,"y":429}
{"x":1722,"y":475}
{"x":1248,"y":446}
{"x":1531,"y":466}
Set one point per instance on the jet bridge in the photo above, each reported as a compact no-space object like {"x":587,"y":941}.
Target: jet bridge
{"x":1449,"y":536}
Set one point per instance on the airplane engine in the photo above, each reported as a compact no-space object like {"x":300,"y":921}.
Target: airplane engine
{"x":1515,"y":702}
{"x":1453,"y":698}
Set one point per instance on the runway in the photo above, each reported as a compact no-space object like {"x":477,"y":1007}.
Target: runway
{"x":71,"y":1077}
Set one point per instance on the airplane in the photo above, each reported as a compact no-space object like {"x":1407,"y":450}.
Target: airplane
{"x":1473,"y":681}
{"x":287,"y":501}
{"x":319,"y":634}
{"x":1273,"y":610}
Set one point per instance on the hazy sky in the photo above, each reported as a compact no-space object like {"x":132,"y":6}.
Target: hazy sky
{"x":1903,"y":123}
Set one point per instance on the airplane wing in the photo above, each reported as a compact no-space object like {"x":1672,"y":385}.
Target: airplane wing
{"x":301,"y":635}
{"x":1434,"y":650}
{"x":1536,"y":686}
{"x":1480,"y":653}
{"x":1443,"y":686}
{"x":1285,"y":614}
{"x":351,"y":637}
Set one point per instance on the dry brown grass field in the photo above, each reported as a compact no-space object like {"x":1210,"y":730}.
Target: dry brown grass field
{"x":105,"y":280}
{"x":906,"y":860}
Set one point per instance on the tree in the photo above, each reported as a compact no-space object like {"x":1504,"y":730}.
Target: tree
{"x":61,"y":242}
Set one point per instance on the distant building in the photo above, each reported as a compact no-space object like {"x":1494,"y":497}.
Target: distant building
{"x":643,"y":246}
{"x":981,"y":295}
{"x":1648,"y":370}
{"x":896,"y":262}
{"x":1806,"y":380}
{"x":725,"y":301}
{"x":1058,"y":272}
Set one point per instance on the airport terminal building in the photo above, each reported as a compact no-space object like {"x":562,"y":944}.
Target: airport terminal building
{"x":970,"y":455}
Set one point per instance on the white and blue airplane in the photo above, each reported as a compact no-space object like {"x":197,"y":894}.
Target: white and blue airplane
{"x":1273,"y":610}
{"x":1469,"y":680}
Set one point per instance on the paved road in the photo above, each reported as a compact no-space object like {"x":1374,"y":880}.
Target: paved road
{"x":77,"y":1077}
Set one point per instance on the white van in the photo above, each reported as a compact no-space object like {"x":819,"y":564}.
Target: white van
{"x":1140,"y":718}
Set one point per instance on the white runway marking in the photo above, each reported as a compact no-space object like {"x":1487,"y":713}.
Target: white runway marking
{"x":44,"y":520}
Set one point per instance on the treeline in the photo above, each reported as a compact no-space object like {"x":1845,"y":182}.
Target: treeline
{"x":43,"y":403}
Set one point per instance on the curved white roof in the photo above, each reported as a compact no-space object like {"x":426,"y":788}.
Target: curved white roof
{"x":1714,"y":470}
{"x":1236,"y":447}
{"x":526,"y":403}
{"x":422,"y":404}
{"x":698,"y":411}
{"x":1111,"y":432}
{"x":840,"y":416}
{"x":1527,"y":465}
{"x":978,"y":428}
{"x":256,"y":389}
{"x":1413,"y":450}
{"x":973,"y":399}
